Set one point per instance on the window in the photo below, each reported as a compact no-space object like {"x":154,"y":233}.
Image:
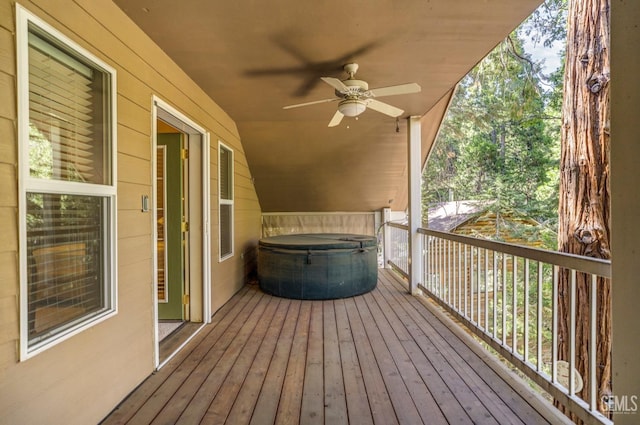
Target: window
{"x":67,"y":186}
{"x":225,"y":181}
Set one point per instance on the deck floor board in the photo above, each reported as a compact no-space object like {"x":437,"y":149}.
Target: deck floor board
{"x":381,"y":358}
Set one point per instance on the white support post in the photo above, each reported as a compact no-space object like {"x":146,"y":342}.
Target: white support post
{"x":386,"y":247}
{"x":414,"y":140}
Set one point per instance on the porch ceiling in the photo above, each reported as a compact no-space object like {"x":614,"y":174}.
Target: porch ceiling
{"x":254,"y":57}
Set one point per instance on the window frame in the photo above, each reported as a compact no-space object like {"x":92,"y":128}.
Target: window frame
{"x":28,"y":184}
{"x":230,"y":202}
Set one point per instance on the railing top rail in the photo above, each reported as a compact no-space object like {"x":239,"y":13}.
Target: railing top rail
{"x":579,"y":263}
{"x":398,"y":225}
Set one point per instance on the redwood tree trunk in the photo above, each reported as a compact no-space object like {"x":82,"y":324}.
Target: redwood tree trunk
{"x":584,"y":182}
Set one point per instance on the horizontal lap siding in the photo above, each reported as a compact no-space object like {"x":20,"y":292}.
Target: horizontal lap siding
{"x":9,"y":322}
{"x":98,"y":367}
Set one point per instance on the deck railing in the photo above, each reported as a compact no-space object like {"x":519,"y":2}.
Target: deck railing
{"x":398,"y":257}
{"x":508,"y":296}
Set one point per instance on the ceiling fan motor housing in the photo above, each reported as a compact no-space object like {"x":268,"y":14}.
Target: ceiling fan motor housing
{"x":356,"y":88}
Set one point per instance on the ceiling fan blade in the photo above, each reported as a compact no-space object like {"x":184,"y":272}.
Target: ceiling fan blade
{"x":336,"y":84}
{"x":315,"y":102}
{"x":384,"y":108}
{"x":337,"y":118}
{"x":394,"y":90}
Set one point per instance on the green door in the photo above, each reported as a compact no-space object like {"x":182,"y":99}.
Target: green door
{"x":170,"y":199}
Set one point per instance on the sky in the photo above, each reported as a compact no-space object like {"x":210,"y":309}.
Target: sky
{"x":550,"y":55}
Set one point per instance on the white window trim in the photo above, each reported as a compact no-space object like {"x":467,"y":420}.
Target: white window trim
{"x":28,"y":184}
{"x":226,"y":202}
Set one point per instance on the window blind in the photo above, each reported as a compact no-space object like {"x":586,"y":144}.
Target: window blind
{"x":66,"y":112}
{"x":226,"y":201}
{"x":226,"y":191}
{"x":67,"y":242}
{"x":226,"y":233}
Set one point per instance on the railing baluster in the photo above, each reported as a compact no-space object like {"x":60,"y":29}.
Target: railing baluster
{"x":504,"y":299}
{"x":539,"y":333}
{"x":514,"y":311}
{"x":460,"y":278}
{"x":472,"y":281}
{"x":526,"y":311}
{"x":433,"y":254}
{"x":478,"y":282}
{"x":441,"y":268}
{"x":495,"y":294}
{"x":454,"y":274}
{"x":593,"y":354}
{"x":406,"y":252}
{"x":554,"y":328}
{"x":448,"y":254}
{"x":486,"y":289}
{"x":572,"y":335}
{"x":465,"y":280}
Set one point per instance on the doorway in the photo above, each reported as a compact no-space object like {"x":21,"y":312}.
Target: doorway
{"x":181,"y":233}
{"x":172,"y":281}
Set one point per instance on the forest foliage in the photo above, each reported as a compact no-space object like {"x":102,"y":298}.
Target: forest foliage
{"x":500,"y":139}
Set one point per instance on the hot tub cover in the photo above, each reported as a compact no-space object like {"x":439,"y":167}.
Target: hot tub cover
{"x":318,"y":266}
{"x":319,"y":241}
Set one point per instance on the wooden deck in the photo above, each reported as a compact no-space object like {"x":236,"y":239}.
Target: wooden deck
{"x":381,"y":358}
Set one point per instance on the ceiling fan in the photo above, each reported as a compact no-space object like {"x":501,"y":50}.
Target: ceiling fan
{"x":355,"y":97}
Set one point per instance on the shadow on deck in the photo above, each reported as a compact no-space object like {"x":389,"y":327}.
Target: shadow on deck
{"x":383,"y":358}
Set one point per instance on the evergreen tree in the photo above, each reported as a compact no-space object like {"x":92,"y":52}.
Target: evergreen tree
{"x":500,"y":139}
{"x":584,"y":209}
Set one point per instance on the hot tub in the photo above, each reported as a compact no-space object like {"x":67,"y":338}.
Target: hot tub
{"x":317,"y":266}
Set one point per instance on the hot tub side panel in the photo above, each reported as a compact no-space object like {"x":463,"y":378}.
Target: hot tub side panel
{"x":317,"y":275}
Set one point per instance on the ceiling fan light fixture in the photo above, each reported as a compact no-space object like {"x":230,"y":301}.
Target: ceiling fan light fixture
{"x":352,"y":107}
{"x":354,"y":96}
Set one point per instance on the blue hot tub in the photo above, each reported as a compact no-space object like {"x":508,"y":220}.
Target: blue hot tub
{"x":317,"y":266}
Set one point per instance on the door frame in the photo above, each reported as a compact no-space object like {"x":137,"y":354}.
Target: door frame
{"x":166,"y":112}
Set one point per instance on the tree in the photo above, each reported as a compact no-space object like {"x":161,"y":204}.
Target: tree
{"x":495,"y":143}
{"x":584,"y":181}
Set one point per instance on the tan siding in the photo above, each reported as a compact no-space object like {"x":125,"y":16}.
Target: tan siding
{"x":133,"y":170}
{"x":134,"y":116}
{"x":8,"y":352}
{"x":7,"y":88}
{"x":68,"y":375}
{"x":9,"y":318}
{"x":9,"y":324}
{"x":131,"y":223}
{"x":133,"y":250}
{"x":7,"y":47}
{"x":244,"y":193}
{"x":139,"y":271}
{"x":8,"y":273}
{"x":134,"y":143}
{"x":8,"y":148}
{"x":8,"y":229}
{"x":130,"y":195}
{"x":9,"y":187}
{"x":6,"y":16}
